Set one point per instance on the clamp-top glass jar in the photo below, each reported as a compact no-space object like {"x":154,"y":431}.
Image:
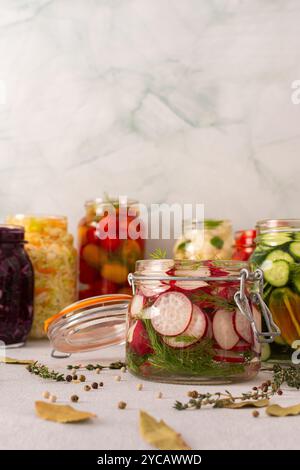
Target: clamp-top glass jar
{"x":187,"y":322}
{"x":16,"y":287}
{"x":277,"y":253}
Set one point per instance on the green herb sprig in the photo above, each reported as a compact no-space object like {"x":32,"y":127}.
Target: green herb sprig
{"x":44,"y":372}
{"x":113,"y":365}
{"x":158,"y":254}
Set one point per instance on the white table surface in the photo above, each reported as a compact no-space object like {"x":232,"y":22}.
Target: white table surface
{"x":20,"y":428}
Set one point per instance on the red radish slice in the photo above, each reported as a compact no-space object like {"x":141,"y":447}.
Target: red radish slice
{"x":229,"y":358}
{"x":189,"y":284}
{"x":137,"y":304}
{"x":242,"y":346}
{"x":138,"y":339}
{"x":171,"y":313}
{"x":242,"y":326}
{"x":223,"y":329}
{"x":209,"y":330}
{"x":196,"y":330}
{"x":156,"y":288}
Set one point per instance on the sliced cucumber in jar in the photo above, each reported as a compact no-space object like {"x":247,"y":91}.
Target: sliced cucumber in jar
{"x":276,"y":273}
{"x":265,"y":352}
{"x":275,"y":239}
{"x":295,"y":250}
{"x":296,"y":280}
{"x":280,"y":255}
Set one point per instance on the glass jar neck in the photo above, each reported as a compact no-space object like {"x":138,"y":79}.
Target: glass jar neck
{"x":44,"y":226}
{"x":101,"y":206}
{"x":277,"y":225}
{"x":207,"y":224}
{"x":11,"y":234}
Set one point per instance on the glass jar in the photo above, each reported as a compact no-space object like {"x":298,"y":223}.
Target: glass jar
{"x":277,"y":253}
{"x":211,"y":240}
{"x":16,"y":287}
{"x":244,"y":244}
{"x":54,"y":259}
{"x":187,"y":322}
{"x":106,"y":262}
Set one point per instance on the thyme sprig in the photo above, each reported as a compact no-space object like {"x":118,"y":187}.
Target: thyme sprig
{"x":113,"y":365}
{"x":281,"y":375}
{"x":44,"y":372}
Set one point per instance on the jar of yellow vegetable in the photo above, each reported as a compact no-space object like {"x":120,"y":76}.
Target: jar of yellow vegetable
{"x":52,"y":253}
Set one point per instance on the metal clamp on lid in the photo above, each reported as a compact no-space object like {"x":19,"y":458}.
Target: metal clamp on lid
{"x":242,"y":302}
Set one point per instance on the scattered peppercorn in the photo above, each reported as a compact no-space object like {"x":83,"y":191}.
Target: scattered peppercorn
{"x":101,"y":384}
{"x":254,"y":388}
{"x":46,"y":394}
{"x":87,"y":388}
{"x":192,"y":394}
{"x":122,"y":405}
{"x":117,"y":378}
{"x":69,"y":378}
{"x":279,"y":392}
{"x":123,"y":369}
{"x":74,"y":398}
{"x":75,"y":377}
{"x":53,"y":398}
{"x":159,"y":395}
{"x":255,"y":414}
{"x":82,"y":378}
{"x":98,"y":370}
{"x":139,"y":387}
{"x":95,"y":385}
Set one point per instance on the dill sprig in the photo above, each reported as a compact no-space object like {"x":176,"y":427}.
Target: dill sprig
{"x":213,"y":300}
{"x":158,"y":254}
{"x":195,"y":360}
{"x":113,"y":365}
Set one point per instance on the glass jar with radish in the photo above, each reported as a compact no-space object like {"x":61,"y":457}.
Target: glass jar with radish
{"x":187,"y":322}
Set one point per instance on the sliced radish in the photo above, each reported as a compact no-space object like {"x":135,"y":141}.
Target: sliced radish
{"x":138,"y":339}
{"x":154,"y":289}
{"x":242,"y":326}
{"x":242,"y":346}
{"x":209,"y":330}
{"x":228,"y":356}
{"x":136,"y":306}
{"x":171,"y":313}
{"x":223,"y":329}
{"x":195,"y":331}
{"x":189,"y":284}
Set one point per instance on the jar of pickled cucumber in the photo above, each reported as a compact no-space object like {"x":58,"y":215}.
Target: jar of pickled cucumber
{"x":186,"y":322}
{"x":212,"y":239}
{"x":54,"y":258}
{"x":277,"y":253}
{"x":105,"y":261}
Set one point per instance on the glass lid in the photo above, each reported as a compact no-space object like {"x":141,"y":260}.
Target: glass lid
{"x":89,"y":324}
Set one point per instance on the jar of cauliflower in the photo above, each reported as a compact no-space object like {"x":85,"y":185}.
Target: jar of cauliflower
{"x":54,"y":258}
{"x":211,"y":239}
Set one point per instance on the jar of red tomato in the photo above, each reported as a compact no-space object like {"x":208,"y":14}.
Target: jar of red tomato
{"x":108,"y":249}
{"x":244,"y":244}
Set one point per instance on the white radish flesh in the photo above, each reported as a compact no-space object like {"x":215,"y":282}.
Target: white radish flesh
{"x":242,"y":326}
{"x":136,"y":306}
{"x":189,"y":284}
{"x":195,"y":331}
{"x":209,"y":330}
{"x":171,"y":313}
{"x":223,"y":329}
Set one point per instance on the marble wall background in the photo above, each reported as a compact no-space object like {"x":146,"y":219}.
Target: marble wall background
{"x":163,"y":100}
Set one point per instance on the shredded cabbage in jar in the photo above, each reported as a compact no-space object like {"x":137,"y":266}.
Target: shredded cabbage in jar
{"x":54,"y":260}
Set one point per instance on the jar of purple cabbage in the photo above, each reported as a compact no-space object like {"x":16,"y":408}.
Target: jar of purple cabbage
{"x":16,"y":287}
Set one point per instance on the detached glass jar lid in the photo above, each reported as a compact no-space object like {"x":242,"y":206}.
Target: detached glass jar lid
{"x":187,"y":321}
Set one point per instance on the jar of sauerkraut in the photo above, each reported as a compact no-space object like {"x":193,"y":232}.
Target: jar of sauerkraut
{"x":212,"y":239}
{"x":52,"y":253}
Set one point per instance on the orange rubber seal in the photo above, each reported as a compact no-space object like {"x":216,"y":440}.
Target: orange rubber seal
{"x":84,"y":303}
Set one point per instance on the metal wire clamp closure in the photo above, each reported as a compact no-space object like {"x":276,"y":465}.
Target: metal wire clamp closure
{"x":242,"y":303}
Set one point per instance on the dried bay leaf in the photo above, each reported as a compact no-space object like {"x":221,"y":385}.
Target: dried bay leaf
{"x":277,"y":410}
{"x":159,"y":434}
{"x":11,"y":360}
{"x":61,"y":413}
{"x":248,"y":404}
